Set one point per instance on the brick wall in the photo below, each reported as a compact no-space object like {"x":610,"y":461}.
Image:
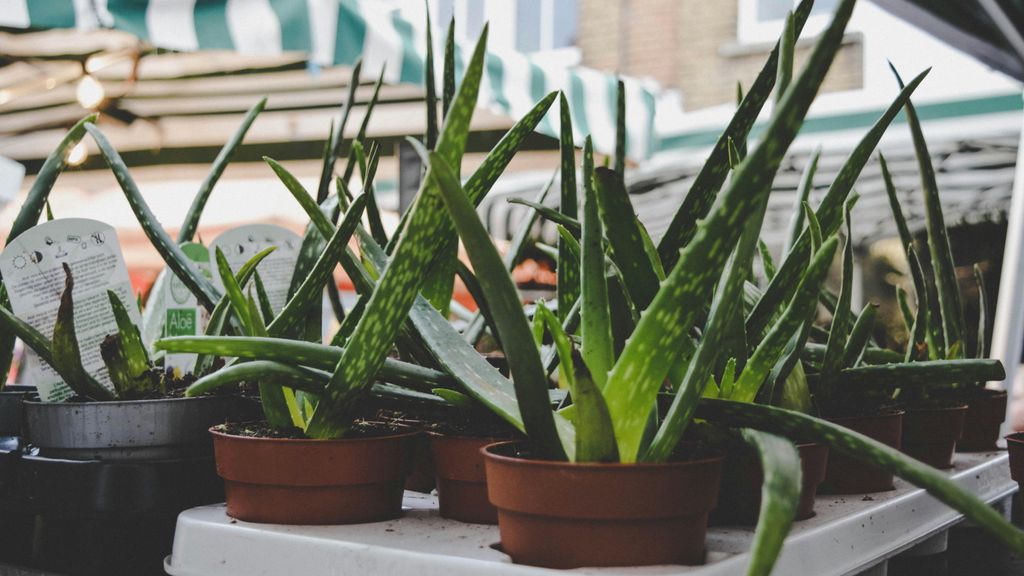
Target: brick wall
{"x":690,"y":45}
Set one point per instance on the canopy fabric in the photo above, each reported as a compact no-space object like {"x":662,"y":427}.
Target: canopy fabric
{"x":338,"y":32}
{"x":990,"y":30}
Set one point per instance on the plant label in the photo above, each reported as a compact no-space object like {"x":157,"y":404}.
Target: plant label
{"x":172,"y":310}
{"x":32,"y":269}
{"x":240,"y":244}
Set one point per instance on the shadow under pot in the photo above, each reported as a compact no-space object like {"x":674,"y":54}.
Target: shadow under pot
{"x":1015,"y":446}
{"x":930,"y":433}
{"x":566,"y":515}
{"x":846,"y":475}
{"x":303,"y":481}
{"x":131,"y":429}
{"x":986,"y":410}
{"x":742,"y":477}
{"x":461,"y":480}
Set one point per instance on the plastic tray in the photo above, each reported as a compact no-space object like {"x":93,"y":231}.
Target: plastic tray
{"x":848,"y":535}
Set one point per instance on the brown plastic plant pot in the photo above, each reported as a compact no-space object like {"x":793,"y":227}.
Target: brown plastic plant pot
{"x":847,"y":475}
{"x":566,"y":515}
{"x":740,"y":503}
{"x":298,"y":481}
{"x":930,"y":433}
{"x":1015,"y":446}
{"x":986,"y":410}
{"x":461,"y":480}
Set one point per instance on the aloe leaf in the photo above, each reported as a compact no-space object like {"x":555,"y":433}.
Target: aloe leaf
{"x":653,"y":349}
{"x":66,"y":354}
{"x":712,"y":174}
{"x":372,"y":209}
{"x":839,"y":332}
{"x":473,"y":286}
{"x":573,"y":249}
{"x":860,"y":336}
{"x":542,"y":322}
{"x":49,"y":211}
{"x":265,"y":309}
{"x":925,"y":339}
{"x":815,"y":352}
{"x":389,"y":304}
{"x":319,"y":356}
{"x":350,"y":165}
{"x":568,"y":286}
{"x":813,"y":226}
{"x":176,"y":260}
{"x":797,"y":314}
{"x":803,"y":194}
{"x":124,"y":353}
{"x":625,"y":238}
{"x":431,"y":87}
{"x":16,"y":327}
{"x":787,"y":43}
{"x":224,"y":157}
{"x":780,"y":495}
{"x":982,"y":346}
{"x":927,"y":373}
{"x":725,"y":306}
{"x":504,"y":302}
{"x":308,"y":293}
{"x":950,"y":307}
{"x":767,"y":263}
{"x":336,"y":136}
{"x":856,"y":445}
{"x":595,"y":314}
{"x":456,"y":398}
{"x":571,"y":224}
{"x":620,"y":130}
{"x":448,"y":80}
{"x":829,"y":215}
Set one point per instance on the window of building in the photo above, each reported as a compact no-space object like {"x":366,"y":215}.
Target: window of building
{"x":762,"y":20}
{"x":537,"y":25}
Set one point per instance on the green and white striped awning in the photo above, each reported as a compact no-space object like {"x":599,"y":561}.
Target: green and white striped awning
{"x":338,"y":32}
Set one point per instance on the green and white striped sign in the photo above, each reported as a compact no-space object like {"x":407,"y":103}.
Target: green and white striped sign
{"x":337,"y":32}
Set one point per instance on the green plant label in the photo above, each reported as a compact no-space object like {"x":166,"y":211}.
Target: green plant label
{"x":32,"y":269}
{"x":172,"y":310}
{"x":242,"y":243}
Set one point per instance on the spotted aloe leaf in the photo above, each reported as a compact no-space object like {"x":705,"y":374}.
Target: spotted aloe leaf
{"x":829,"y":215}
{"x":780,"y":495}
{"x":180,"y":264}
{"x":571,"y":224}
{"x":595,"y":312}
{"x":981,"y":351}
{"x":125,"y":355}
{"x":336,"y":136}
{"x":926,"y":373}
{"x":654,"y":346}
{"x":712,"y":174}
{"x":390,"y":302}
{"x":803,"y":194}
{"x":946,"y":285}
{"x":625,"y":237}
{"x":67,"y":355}
{"x":448,"y":72}
{"x":840,"y":331}
{"x":503,"y":300}
{"x":28,"y":216}
{"x":431,"y":86}
{"x":855,"y":445}
{"x":860,"y":335}
{"x":224,"y":157}
{"x":568,"y":271}
{"x":350,"y":165}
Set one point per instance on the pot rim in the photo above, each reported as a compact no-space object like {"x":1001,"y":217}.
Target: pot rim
{"x":892,"y":413}
{"x":412,"y":432}
{"x":487,"y":452}
{"x":958,"y":407}
{"x":433,"y":434}
{"x":92,"y":403}
{"x":1016,"y":438}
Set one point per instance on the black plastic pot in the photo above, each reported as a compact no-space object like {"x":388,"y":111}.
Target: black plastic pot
{"x":92,"y":517}
{"x":11,"y":410}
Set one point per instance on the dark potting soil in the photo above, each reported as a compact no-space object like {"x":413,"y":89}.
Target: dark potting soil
{"x":262,"y":429}
{"x":685,"y":452}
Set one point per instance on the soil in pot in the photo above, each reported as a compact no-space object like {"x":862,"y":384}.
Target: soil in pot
{"x":986,"y":410}
{"x":931,"y":431}
{"x":268,"y":477}
{"x":847,"y":475}
{"x":740,"y":503}
{"x":565,"y":515}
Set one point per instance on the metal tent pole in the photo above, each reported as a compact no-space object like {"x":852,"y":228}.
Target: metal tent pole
{"x":1008,"y":332}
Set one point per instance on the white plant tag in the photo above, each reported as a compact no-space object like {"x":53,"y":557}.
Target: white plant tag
{"x":32,"y":269}
{"x":240,"y":244}
{"x":179,"y":310}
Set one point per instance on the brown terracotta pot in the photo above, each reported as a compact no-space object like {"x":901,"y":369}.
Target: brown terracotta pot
{"x":461,"y":481}
{"x":1015,"y":446}
{"x":421,"y":479}
{"x":287,"y":481}
{"x":986,"y":410}
{"x":741,"y":485}
{"x":847,"y":475}
{"x":565,"y":515}
{"x":930,"y":433}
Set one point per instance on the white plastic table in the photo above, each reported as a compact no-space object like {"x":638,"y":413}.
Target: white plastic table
{"x":848,"y":535}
